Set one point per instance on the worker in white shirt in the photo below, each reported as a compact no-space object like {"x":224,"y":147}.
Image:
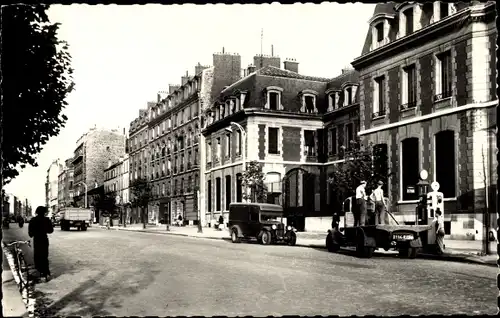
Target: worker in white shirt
{"x":377,"y":196}
{"x":360,"y":214}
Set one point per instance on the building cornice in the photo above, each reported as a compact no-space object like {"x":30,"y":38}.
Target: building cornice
{"x":444,"y":112}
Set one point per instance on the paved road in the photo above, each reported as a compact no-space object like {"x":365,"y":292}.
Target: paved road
{"x":102,"y":272}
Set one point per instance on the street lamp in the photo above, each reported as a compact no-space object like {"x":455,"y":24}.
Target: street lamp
{"x":243,"y":142}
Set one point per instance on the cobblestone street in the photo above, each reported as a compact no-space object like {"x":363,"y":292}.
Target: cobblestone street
{"x":102,"y":272}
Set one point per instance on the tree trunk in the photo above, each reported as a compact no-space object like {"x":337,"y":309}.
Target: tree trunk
{"x":145,"y":218}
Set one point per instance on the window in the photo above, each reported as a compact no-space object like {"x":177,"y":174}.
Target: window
{"x":238,"y":142}
{"x":189,"y":184}
{"x":309,"y":104}
{"x":273,"y":140}
{"x":332,"y":103}
{"x":163,"y":189}
{"x":378,"y":97}
{"x":218,"y":151}
{"x":349,"y":135}
{"x":239,"y":187}
{"x":410,"y":168}
{"x":309,"y":142}
{"x":333,"y":141}
{"x":209,"y":152}
{"x":217,"y":194}
{"x":443,"y":76}
{"x":409,"y":89}
{"x":209,"y":195}
{"x":380,"y":31}
{"x":444,"y":157}
{"x":227,"y":146}
{"x":273,"y":100}
{"x":381,"y":164}
{"x":348,"y":96}
{"x":176,"y":186}
{"x":444,"y":9}
{"x":408,"y":13}
{"x":182,"y":189}
{"x":195,"y":161}
{"x":228,"y":192}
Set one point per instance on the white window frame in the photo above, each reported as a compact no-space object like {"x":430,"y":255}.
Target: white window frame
{"x":209,"y":151}
{"x":238,"y":142}
{"x":376,"y":88}
{"x":273,"y":89}
{"x":218,"y":150}
{"x":280,"y":141}
{"x":315,"y":153}
{"x":438,"y":72}
{"x":227,"y":145}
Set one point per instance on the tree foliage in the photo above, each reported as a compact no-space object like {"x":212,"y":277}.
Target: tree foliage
{"x":105,"y":202}
{"x":37,"y":77}
{"x":141,"y":195}
{"x":368,"y":163}
{"x":253,"y":178}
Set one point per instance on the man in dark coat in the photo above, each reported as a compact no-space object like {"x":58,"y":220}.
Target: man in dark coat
{"x":38,"y":229}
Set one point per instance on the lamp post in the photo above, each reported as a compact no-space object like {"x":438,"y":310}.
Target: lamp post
{"x":243,"y":143}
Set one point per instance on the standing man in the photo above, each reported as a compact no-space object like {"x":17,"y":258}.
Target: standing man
{"x":377,"y":196}
{"x":38,"y":228}
{"x":360,"y":215}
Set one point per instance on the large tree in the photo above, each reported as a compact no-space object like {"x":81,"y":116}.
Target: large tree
{"x":141,"y":195}
{"x":36,"y":80}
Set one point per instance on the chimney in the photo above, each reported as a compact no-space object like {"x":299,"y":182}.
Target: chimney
{"x":346,"y":69}
{"x":261,"y":61}
{"x":250,"y":69}
{"x":172,"y":88}
{"x":199,"y":68}
{"x":184,"y":79}
{"x":291,"y":65}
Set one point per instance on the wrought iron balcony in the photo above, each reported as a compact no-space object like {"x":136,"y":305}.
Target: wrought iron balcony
{"x":380,"y":113}
{"x":408,"y":105}
{"x":443,"y":95}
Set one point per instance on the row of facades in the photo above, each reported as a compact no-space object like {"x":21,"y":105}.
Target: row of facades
{"x":423,"y":90}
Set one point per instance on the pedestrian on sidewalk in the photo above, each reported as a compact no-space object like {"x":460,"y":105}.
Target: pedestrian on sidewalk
{"x":38,"y":228}
{"x":377,"y":196}
{"x":360,"y":211}
{"x":221,"y":222}
{"x":439,"y":231}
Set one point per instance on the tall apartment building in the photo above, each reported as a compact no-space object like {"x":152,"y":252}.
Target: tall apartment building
{"x":91,"y":156}
{"x":116,"y":182}
{"x":428,"y":93}
{"x":295,"y":126}
{"x":173,"y":134}
{"x":52,"y":187}
{"x":65,"y":187}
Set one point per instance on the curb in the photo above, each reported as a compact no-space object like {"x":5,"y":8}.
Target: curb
{"x":29,"y":302}
{"x":452,"y":258}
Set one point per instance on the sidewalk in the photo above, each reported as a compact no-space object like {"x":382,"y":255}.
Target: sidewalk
{"x":460,"y":251}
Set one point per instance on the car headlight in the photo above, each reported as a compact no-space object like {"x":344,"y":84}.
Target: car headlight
{"x":273,"y":227}
{"x":289,"y":228}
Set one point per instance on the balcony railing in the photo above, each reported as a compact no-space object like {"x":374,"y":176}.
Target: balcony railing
{"x":380,"y":113}
{"x":408,"y":105}
{"x":443,"y":95}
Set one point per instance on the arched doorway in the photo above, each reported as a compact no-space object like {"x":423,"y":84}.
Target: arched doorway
{"x":298,"y":196}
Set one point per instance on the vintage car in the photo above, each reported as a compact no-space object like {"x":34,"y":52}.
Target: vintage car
{"x":262,"y":221}
{"x":406,"y":239}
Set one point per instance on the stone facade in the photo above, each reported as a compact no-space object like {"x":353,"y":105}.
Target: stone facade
{"x":465,"y":114}
{"x":66,"y":180}
{"x":91,"y":157}
{"x":52,"y":187}
{"x":116,"y":181}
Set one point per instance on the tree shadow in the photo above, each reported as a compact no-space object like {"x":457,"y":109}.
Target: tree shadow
{"x":91,"y":297}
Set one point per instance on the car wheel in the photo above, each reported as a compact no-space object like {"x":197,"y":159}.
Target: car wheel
{"x":266,"y":238}
{"x":234,"y":236}
{"x":330,"y":245}
{"x":84,"y":227}
{"x":293,"y":239}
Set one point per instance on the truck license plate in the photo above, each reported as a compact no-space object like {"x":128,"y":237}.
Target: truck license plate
{"x":403,"y":237}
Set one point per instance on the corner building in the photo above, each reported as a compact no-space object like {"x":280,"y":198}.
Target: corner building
{"x":295,"y":127}
{"x":428,"y":92}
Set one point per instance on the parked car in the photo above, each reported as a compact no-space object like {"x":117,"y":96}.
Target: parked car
{"x":262,"y":221}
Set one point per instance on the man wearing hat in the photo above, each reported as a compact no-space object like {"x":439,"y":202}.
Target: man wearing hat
{"x":377,"y":196}
{"x":360,"y":213}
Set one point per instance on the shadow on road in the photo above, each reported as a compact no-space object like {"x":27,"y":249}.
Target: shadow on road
{"x":93,"y":295}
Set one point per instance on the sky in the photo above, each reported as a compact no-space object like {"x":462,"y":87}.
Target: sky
{"x":123,"y":55}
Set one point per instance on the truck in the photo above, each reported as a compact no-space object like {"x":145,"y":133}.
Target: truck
{"x":75,"y":217}
{"x":406,"y":239}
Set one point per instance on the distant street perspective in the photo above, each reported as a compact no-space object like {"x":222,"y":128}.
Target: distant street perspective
{"x":106,"y":272}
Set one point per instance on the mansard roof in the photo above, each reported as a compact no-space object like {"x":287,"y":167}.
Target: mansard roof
{"x":351,"y":76}
{"x":278,"y":72}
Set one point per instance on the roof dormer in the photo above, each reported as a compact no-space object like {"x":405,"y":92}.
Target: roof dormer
{"x":409,"y":16}
{"x":380,"y":25}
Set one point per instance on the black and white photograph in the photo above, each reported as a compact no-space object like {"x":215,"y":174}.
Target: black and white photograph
{"x":249,"y":159}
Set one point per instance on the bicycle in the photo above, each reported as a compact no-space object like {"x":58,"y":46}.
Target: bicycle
{"x":22,"y":270}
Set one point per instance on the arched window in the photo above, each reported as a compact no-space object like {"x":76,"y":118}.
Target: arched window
{"x":410,"y":168}
{"x":445,"y":166}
